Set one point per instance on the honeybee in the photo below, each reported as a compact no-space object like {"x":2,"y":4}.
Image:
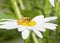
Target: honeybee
{"x":24,"y":19}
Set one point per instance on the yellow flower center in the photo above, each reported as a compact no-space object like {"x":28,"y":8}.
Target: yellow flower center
{"x":26,"y":22}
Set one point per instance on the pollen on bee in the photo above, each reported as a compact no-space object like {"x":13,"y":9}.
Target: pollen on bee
{"x":26,"y":22}
{"x":20,"y":21}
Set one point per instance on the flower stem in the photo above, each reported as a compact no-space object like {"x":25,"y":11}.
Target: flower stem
{"x":57,"y":21}
{"x":25,"y":41}
{"x":34,"y":38}
{"x":21,"y":4}
{"x":16,"y":9}
{"x":47,"y":8}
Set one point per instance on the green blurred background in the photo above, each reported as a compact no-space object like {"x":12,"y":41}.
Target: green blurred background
{"x":29,"y":8}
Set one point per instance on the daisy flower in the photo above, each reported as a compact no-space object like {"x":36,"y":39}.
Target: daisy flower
{"x":52,"y":3}
{"x":24,"y":25}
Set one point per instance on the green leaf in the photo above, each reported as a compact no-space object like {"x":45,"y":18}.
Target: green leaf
{"x":30,"y":13}
{"x":7,"y":16}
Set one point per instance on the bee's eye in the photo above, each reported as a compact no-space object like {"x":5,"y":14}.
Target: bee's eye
{"x":28,"y":19}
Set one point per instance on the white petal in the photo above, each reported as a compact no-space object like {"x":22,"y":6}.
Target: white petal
{"x":8,"y":22}
{"x":49,"y":19}
{"x":8,"y":19}
{"x":39,"y":28}
{"x":21,"y":28}
{"x":50,"y":26}
{"x":25,"y":34}
{"x":8,"y":25}
{"x":38,"y":18}
{"x":38,"y":33}
{"x":4,"y":22}
{"x":52,"y":3}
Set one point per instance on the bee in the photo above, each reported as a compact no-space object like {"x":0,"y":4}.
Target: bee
{"x":24,"y":19}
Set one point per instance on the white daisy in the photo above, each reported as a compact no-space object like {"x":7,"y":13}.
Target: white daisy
{"x":37,"y":25}
{"x":52,"y":3}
